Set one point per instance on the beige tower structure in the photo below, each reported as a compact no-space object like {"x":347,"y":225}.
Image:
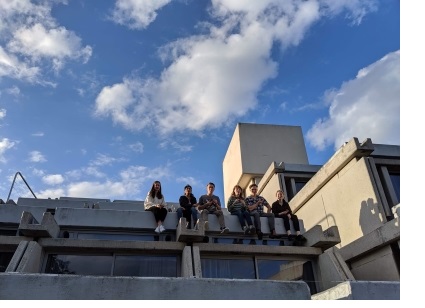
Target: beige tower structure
{"x":254,"y":146}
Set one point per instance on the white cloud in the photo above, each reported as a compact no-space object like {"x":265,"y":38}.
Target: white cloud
{"x":137,"y":147}
{"x":136,"y":14}
{"x":5,"y":144}
{"x":365,"y":107}
{"x":2,"y":113}
{"x":102,"y":159}
{"x":38,"y":134}
{"x":53,"y":179}
{"x":32,"y":42}
{"x":215,"y":78}
{"x":36,"y":157}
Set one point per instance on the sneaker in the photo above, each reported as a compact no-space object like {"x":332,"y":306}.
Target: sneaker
{"x":301,"y":238}
{"x":252,"y":229}
{"x":157,"y":230}
{"x":245,"y":230}
{"x":291,"y":237}
{"x":224,"y":230}
{"x":161,"y":228}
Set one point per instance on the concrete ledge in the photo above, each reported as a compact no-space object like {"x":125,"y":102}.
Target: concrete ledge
{"x":190,"y":235}
{"x":361,"y":290}
{"x":29,"y":226}
{"x":382,"y":236}
{"x":70,"y":287}
{"x":316,"y":237}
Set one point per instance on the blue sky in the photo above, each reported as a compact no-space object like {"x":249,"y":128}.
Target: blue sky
{"x":101,"y":98}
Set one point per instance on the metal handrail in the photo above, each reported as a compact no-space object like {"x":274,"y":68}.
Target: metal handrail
{"x":13,"y":183}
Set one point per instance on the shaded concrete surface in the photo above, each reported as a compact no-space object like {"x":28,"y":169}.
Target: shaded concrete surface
{"x":361,"y":290}
{"x":61,"y":287}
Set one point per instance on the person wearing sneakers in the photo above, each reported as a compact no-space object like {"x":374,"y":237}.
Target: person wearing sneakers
{"x":236,"y":206}
{"x":210,"y":204}
{"x":256,"y":204}
{"x":155,"y":202}
{"x":187,"y":207}
{"x":281,"y":209}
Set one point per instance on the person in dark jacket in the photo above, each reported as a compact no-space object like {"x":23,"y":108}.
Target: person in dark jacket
{"x":281,"y":209}
{"x":188,"y":207}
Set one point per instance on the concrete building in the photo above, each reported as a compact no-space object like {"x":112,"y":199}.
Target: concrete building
{"x":84,"y":248}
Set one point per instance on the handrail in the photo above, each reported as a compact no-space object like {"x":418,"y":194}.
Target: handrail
{"x":13,"y":183}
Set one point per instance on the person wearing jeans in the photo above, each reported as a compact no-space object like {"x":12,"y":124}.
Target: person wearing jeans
{"x":256,"y":204}
{"x":236,"y":206}
{"x":210,"y":204}
{"x":187,"y":207}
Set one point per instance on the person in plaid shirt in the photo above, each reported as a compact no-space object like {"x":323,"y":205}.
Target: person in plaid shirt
{"x":256,"y":204}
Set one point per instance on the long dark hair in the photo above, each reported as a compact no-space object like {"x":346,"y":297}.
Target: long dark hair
{"x":152,"y":192}
{"x":233,"y":192}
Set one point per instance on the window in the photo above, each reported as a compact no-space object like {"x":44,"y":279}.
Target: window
{"x":114,"y":265}
{"x":259,"y":268}
{"x":146,"y":266}
{"x":94,"y":265}
{"x":228,"y":268}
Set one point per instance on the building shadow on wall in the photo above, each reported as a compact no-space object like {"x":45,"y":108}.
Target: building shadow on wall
{"x":370,"y":216}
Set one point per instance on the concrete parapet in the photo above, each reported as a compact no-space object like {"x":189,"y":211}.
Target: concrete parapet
{"x":316,"y":237}
{"x":29,"y":226}
{"x":361,"y":290}
{"x":71,"y":287}
{"x":190,"y":235}
{"x":332,"y":269}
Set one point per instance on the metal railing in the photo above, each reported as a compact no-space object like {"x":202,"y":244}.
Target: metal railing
{"x":13,"y":183}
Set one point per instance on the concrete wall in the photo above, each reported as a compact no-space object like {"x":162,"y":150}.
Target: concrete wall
{"x":71,"y":287}
{"x":348,"y":200}
{"x":254,"y":146}
{"x":361,"y":290}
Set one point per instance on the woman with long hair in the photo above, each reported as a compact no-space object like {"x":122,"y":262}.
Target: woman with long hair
{"x":155,"y":202}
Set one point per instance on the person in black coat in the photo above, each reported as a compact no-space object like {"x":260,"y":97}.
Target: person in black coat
{"x":188,"y":207}
{"x":281,"y":209}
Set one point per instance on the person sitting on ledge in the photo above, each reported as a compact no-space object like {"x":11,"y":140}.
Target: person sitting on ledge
{"x":256,"y":204}
{"x":187,"y":207}
{"x":210,"y":204}
{"x":236,"y":206}
{"x":281,"y":209}
{"x":155,"y":202}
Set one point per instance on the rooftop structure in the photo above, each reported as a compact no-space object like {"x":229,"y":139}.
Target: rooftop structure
{"x":349,"y":209}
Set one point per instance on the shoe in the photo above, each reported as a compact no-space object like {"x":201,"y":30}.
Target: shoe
{"x":206,"y":226}
{"x":301,"y":238}
{"x":224,"y":230}
{"x":260,"y":235}
{"x":157,"y":230}
{"x":252,"y":229}
{"x":291,"y":237}
{"x":245,"y":230}
{"x":161,"y":228}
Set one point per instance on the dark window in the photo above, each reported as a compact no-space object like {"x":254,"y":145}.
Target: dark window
{"x":101,"y":265}
{"x":5,"y":258}
{"x":146,"y":266}
{"x":395,"y":180}
{"x":228,"y":268}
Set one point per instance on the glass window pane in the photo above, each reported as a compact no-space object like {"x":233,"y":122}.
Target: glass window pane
{"x":146,"y":266}
{"x":79,"y":265}
{"x":395,"y":180}
{"x":228,"y":268}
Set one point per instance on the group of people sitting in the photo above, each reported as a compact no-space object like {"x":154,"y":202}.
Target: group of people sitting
{"x":243,"y":208}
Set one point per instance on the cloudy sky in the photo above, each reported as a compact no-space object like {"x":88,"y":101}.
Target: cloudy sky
{"x":100,"y":98}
